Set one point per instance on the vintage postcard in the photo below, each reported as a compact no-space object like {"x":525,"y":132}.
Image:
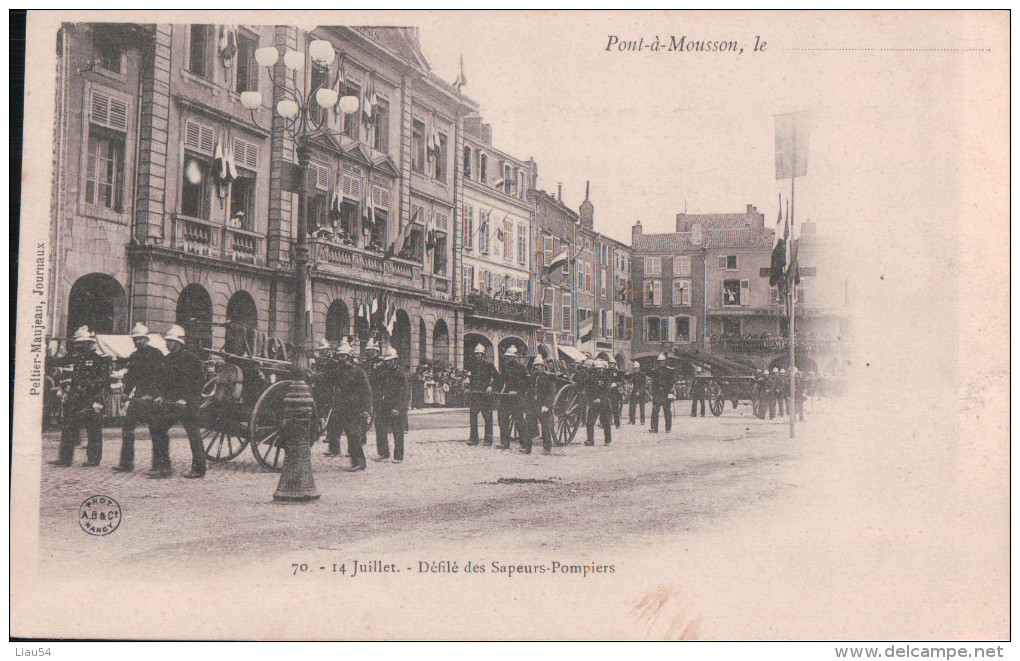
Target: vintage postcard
{"x":513,"y":326}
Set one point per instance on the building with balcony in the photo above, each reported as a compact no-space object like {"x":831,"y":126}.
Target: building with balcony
{"x":497,"y":254}
{"x":707,"y":285}
{"x":174,"y":204}
{"x":556,"y":268}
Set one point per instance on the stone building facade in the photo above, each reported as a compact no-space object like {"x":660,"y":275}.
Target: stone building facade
{"x":147,"y":228}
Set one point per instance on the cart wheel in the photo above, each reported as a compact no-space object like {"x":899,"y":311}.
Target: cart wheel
{"x":715,"y":398}
{"x":222,"y":438}
{"x":266,"y":427}
{"x":567,"y":409}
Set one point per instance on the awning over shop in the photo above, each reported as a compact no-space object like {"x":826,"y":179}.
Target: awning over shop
{"x":572,"y":353}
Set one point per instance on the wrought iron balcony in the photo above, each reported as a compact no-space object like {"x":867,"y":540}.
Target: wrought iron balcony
{"x":491,"y":308}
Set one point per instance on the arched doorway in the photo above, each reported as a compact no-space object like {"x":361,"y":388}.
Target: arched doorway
{"x":423,"y":341}
{"x":507,"y":342}
{"x":621,"y":362}
{"x":194,"y":315}
{"x":603,"y":356}
{"x":97,"y":300}
{"x":472,"y":340}
{"x":338,"y":322}
{"x":441,"y":343}
{"x":401,"y":339}
{"x":242,"y":320}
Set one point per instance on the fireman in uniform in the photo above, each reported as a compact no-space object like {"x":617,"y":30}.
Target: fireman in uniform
{"x":391,"y":390}
{"x":698,"y":392}
{"x":484,"y":378}
{"x":598,"y":388}
{"x":772,"y":389}
{"x":663,"y":382}
{"x":783,"y":392}
{"x":351,"y":394}
{"x":179,"y":396}
{"x":90,"y":381}
{"x":141,"y":387}
{"x":639,"y":392}
{"x":516,"y":387}
{"x":543,"y":392}
{"x":370,"y":358}
{"x":616,"y":391}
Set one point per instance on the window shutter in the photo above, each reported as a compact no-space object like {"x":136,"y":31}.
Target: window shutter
{"x":246,"y":154}
{"x":442,"y":221}
{"x":380,"y":197}
{"x":350,"y":187}
{"x":745,"y":292}
{"x":320,"y":173}
{"x":671,"y":329}
{"x":198,"y":137}
{"x":108,"y":110}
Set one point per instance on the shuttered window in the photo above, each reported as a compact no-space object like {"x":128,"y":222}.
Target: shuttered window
{"x":199,"y":137}
{"x":380,"y":197}
{"x":246,"y":154}
{"x":108,"y":110}
{"x":350,"y":187}
{"x":469,"y":228}
{"x":320,"y":175}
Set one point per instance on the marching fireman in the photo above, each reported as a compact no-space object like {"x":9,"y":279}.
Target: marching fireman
{"x":352,"y":402}
{"x":598,"y":389}
{"x":639,"y":392}
{"x":543,"y":393}
{"x":140,"y":387}
{"x":90,"y":382}
{"x":783,"y":392}
{"x":616,"y":391}
{"x":391,"y":390}
{"x":772,"y":389}
{"x":698,"y":392}
{"x":370,"y":358}
{"x":516,"y":391}
{"x":663,"y":382}
{"x":179,"y":396}
{"x":483,"y":380}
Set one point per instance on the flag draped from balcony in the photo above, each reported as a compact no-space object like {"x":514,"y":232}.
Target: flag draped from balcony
{"x":369,"y":101}
{"x":227,"y":43}
{"x":390,"y":317}
{"x":585,"y":331}
{"x":341,"y":80}
{"x":336,"y":200}
{"x":368,"y":217}
{"x":430,"y":231}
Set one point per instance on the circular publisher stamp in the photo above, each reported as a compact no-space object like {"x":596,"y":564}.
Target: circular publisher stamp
{"x":99,"y":515}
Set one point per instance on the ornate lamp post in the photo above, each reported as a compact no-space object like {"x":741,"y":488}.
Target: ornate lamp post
{"x":302,"y":125}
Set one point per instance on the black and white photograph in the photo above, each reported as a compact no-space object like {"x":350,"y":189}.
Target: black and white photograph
{"x":512,"y":326}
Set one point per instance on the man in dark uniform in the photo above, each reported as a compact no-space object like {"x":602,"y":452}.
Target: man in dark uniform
{"x":90,"y":381}
{"x":616,"y":392}
{"x":663,"y":382}
{"x":772,"y":390}
{"x":352,"y":402}
{"x":543,"y":392}
{"x":639,"y":392}
{"x":516,"y":387}
{"x":179,"y":396}
{"x":783,"y":393}
{"x":391,"y":391}
{"x":484,"y":378}
{"x":141,"y":388}
{"x":598,"y":389}
{"x":698,"y":392}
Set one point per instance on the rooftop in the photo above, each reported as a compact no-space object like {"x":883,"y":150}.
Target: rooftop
{"x":711,"y":239}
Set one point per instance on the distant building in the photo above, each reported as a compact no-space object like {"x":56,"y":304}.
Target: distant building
{"x":707,"y":285}
{"x":557,"y":240}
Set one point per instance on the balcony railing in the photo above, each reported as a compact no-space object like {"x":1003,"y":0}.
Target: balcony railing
{"x":436,"y":286}
{"x":775,"y":344}
{"x":348,"y":260}
{"x":484,"y":306}
{"x":207,"y":239}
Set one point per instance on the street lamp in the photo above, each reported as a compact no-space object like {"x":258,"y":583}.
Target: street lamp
{"x":303,"y":126}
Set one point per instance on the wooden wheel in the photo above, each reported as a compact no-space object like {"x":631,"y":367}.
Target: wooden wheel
{"x":223,"y":436}
{"x":266,"y":427}
{"x":715,"y":397}
{"x":568,"y":411}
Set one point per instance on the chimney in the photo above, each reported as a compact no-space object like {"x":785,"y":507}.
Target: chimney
{"x":559,"y":191}
{"x":635,"y":232}
{"x":587,"y":209}
{"x":750,"y":209}
{"x":486,"y":136}
{"x":681,"y":222}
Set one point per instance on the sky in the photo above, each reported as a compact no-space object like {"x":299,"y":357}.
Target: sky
{"x":655,"y":132}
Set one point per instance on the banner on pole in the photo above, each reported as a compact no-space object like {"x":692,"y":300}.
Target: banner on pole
{"x":793,"y":133}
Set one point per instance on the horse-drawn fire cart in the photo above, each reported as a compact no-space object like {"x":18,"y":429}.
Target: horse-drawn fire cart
{"x":723,"y":380}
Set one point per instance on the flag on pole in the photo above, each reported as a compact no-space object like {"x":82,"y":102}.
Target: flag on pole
{"x":778,"y":269}
{"x":558,"y":261}
{"x":792,"y":137}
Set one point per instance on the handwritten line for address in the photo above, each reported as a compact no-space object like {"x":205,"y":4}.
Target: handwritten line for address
{"x":896,"y":50}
